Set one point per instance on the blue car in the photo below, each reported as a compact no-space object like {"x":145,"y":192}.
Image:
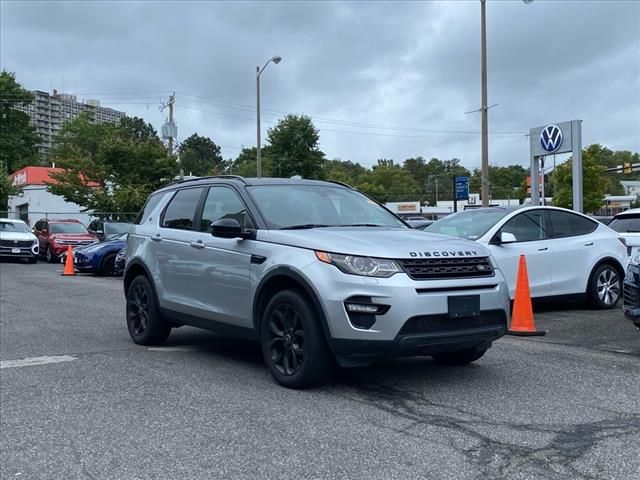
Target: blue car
{"x":100,"y":258}
{"x":631,"y":302}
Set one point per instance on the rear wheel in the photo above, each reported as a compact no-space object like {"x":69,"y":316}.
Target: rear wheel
{"x":293,"y":344}
{"x":605,"y":287}
{"x":50,"y":255}
{"x":108,"y":265}
{"x":460,"y":357}
{"x":144,"y":321}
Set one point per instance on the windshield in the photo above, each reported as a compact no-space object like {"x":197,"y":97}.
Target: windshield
{"x":310,"y":206}
{"x":13,"y":227}
{"x":626,"y":224}
{"x":471,"y":224}
{"x":67,"y":228}
{"x":115,"y":228}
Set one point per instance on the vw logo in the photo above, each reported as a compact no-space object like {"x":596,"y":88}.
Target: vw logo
{"x":551,"y":138}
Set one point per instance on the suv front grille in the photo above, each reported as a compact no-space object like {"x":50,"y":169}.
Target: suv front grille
{"x":74,"y":242}
{"x":442,"y":323}
{"x":16,"y":243}
{"x":446,"y":268}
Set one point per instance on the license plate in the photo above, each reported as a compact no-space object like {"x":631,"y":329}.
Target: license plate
{"x":15,"y":250}
{"x":464,"y":306}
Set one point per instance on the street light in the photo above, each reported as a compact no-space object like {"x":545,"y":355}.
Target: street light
{"x":484,"y":109}
{"x":275,"y":59}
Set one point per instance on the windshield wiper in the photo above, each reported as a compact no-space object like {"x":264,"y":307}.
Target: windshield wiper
{"x":361,"y":225}
{"x":304,"y":226}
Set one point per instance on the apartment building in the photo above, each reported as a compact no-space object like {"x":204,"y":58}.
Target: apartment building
{"x":49,"y":111}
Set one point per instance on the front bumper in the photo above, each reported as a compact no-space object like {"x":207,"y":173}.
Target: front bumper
{"x":417,"y":319}
{"x":631,"y":299}
{"x":20,"y":252}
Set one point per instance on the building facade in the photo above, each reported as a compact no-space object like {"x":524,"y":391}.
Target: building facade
{"x":49,"y":111}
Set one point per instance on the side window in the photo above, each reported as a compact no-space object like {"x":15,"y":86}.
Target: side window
{"x":150,"y":204}
{"x":565,"y":224}
{"x":528,"y":226}
{"x":223,"y":202}
{"x":181,"y":210}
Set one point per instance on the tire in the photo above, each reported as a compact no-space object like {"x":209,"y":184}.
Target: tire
{"x":50,"y":255}
{"x":460,"y":357}
{"x":144,"y":321}
{"x":605,"y":287}
{"x":108,"y":265}
{"x":293,"y":343}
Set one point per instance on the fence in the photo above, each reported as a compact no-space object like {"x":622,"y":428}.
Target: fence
{"x":31,"y":217}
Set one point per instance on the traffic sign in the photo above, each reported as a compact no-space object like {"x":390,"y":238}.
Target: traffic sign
{"x":462,"y":188}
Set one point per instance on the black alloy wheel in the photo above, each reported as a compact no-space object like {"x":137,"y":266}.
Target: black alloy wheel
{"x":286,"y":339}
{"x":144,"y":321}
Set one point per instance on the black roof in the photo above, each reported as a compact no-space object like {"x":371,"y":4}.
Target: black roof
{"x":250,"y":181}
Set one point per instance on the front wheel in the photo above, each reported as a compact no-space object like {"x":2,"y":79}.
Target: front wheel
{"x":50,"y":255}
{"x":144,"y":321}
{"x":293,"y":343}
{"x":460,"y":357}
{"x":108,"y":265}
{"x":605,"y":287}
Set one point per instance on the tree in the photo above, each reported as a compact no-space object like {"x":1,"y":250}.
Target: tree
{"x":245,"y":163}
{"x":18,"y":138}
{"x":200,"y":156}
{"x":109,"y":168}
{"x":294,"y":148}
{"x":595,"y":183}
{"x":388,"y":182}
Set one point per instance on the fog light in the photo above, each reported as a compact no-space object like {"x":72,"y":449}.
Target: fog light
{"x":363,"y":308}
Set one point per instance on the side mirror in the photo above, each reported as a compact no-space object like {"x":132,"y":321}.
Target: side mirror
{"x":226,"y":228}
{"x":506,"y":237}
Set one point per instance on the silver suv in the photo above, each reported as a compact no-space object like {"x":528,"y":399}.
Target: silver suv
{"x":315,"y":271}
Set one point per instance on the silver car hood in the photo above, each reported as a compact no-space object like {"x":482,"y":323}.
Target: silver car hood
{"x":379,"y":242}
{"x":20,"y":236}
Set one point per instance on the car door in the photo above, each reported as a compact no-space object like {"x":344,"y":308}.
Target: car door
{"x":173,"y":251}
{"x":532,"y":240}
{"x":222,"y":266}
{"x":574,"y":251}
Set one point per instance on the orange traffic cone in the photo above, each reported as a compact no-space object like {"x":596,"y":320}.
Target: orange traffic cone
{"x":522,"y":322}
{"x":68,"y":265}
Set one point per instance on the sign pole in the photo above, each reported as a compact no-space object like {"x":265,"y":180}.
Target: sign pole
{"x":455,"y":196}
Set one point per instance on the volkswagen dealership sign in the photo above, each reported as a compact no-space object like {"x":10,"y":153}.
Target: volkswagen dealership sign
{"x":551,"y":138}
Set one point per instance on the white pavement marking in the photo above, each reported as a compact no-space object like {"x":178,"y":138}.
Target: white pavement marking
{"x":175,"y":349}
{"x":33,"y":361}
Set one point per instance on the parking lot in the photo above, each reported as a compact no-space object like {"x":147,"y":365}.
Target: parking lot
{"x":566,"y":405}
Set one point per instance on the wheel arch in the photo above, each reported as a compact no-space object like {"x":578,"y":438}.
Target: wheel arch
{"x":605,"y":261}
{"x":284,"y":278}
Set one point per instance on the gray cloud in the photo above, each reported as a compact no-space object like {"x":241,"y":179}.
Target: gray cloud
{"x":402,"y":64}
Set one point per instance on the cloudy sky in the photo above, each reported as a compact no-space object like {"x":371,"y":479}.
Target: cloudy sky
{"x":380,"y":79}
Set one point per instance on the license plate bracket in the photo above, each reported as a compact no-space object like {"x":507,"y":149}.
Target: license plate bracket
{"x":15,"y":250}
{"x":464,"y":306}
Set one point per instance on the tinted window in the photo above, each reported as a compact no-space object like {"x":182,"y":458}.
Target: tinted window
{"x":565,"y":224}
{"x":151,"y":203}
{"x":221,"y":203}
{"x":284,"y":206}
{"x":181,"y":209}
{"x":626,"y":223}
{"x":527,"y":227}
{"x":470,"y":224}
{"x":67,"y":228}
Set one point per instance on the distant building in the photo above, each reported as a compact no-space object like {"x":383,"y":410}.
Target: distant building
{"x":36,"y":202}
{"x":49,"y":112}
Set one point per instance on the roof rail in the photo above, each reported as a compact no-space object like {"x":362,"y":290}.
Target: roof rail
{"x":236,"y":177}
{"x":341,"y":183}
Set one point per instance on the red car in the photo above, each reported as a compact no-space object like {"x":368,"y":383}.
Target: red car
{"x":55,"y":236}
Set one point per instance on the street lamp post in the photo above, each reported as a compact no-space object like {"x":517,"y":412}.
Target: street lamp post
{"x":275,"y":59}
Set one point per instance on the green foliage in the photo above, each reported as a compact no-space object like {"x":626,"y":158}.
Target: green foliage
{"x":200,"y":156}
{"x":294,"y":148}
{"x":7,"y":188}
{"x":595,"y":185}
{"x":505,"y":182}
{"x":109,"y":168}
{"x":18,"y":138}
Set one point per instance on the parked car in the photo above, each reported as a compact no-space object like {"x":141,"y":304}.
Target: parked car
{"x":55,"y":236}
{"x":627,"y":224}
{"x":121,"y":260}
{"x":100,"y":258}
{"x":602,"y":219}
{"x":17,"y":240}
{"x":106,"y":230}
{"x":568,"y":254}
{"x":419,"y":224}
{"x":631,"y":300}
{"x":341,"y":279}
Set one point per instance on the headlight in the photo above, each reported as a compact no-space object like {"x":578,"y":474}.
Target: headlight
{"x":635,"y":260}
{"x":364,"y":266}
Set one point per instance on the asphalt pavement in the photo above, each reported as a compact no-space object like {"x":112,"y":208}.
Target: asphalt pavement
{"x":79,"y":400}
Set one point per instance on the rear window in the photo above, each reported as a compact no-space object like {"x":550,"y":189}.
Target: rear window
{"x":151,"y":203}
{"x":626,"y":223}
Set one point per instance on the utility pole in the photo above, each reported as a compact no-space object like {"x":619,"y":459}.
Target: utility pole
{"x":258,"y":153}
{"x":483,"y":108}
{"x":172,"y":99}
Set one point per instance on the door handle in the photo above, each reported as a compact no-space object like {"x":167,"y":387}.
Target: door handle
{"x":590,"y":244}
{"x":197,"y":244}
{"x":543,"y":249}
{"x":157,"y":238}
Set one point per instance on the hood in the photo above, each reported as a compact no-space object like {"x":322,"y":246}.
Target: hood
{"x":90,"y":249}
{"x":73,"y":236}
{"x":22,"y":236}
{"x":379,"y":242}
